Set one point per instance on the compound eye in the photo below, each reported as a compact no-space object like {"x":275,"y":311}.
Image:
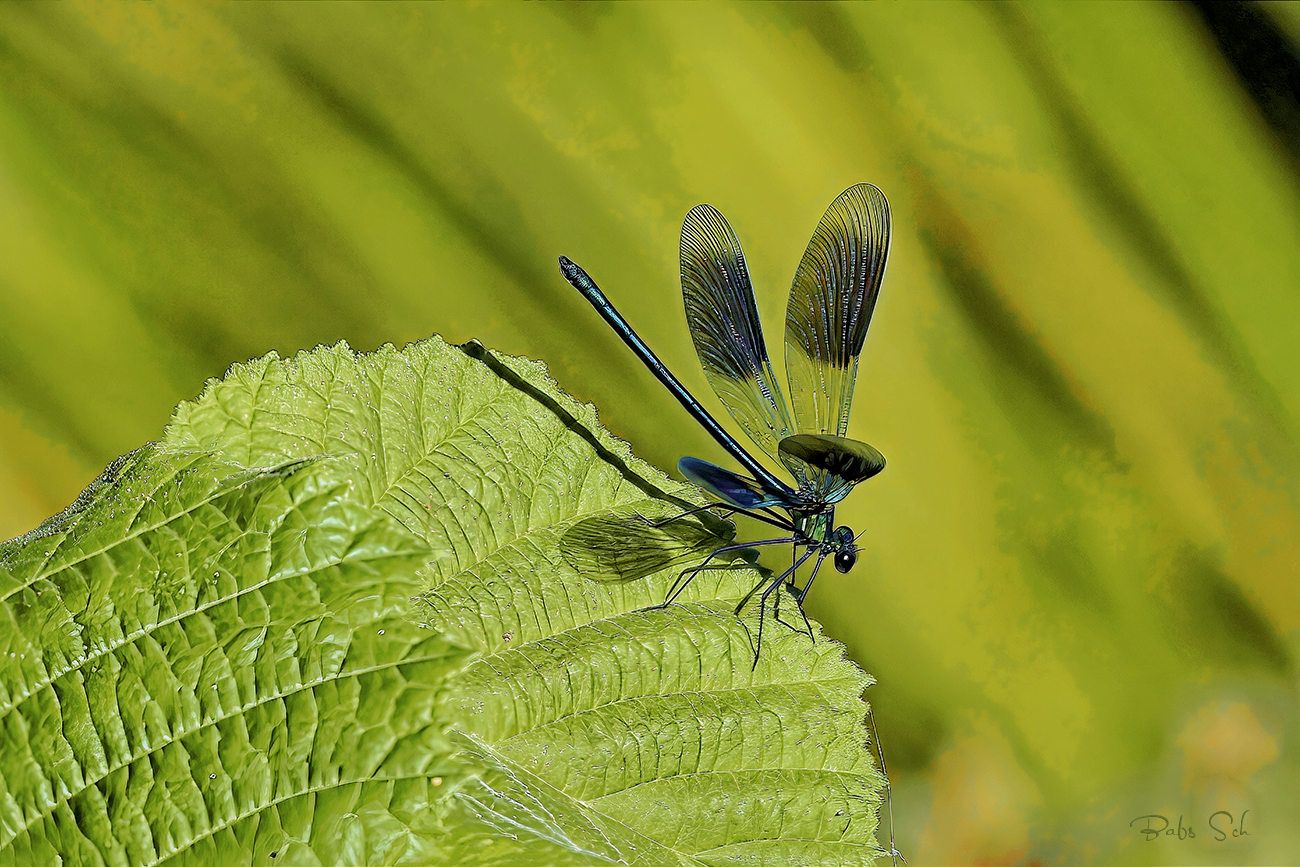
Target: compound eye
{"x":844,"y":560}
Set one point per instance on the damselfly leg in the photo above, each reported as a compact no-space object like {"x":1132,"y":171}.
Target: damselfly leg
{"x":687,"y":576}
{"x":762,"y":601}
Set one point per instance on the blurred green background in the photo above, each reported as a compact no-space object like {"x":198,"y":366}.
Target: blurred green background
{"x":1078,"y":589}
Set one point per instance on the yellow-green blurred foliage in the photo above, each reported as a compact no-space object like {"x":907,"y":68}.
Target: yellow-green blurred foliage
{"x":1078,"y":587}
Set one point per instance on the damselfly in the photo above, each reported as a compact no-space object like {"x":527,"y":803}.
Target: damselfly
{"x":830,"y":306}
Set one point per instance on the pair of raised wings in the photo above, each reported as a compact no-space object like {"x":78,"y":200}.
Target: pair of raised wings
{"x":830,"y":306}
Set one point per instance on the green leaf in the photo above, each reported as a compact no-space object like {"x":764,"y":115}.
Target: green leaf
{"x":210,"y":661}
{"x":359,"y":609}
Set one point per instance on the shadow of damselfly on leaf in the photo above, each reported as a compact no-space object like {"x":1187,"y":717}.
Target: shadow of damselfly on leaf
{"x":625,"y":545}
{"x":829,"y":308}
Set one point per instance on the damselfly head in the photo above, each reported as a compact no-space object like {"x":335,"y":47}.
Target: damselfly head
{"x":846,"y":552}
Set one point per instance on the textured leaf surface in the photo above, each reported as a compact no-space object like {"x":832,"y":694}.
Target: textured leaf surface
{"x":210,"y":661}
{"x":333,"y":616}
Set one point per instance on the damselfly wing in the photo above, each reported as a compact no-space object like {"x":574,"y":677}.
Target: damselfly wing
{"x":831,"y":301}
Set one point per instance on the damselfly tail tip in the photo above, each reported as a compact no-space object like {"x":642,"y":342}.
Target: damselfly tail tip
{"x":575,"y":275}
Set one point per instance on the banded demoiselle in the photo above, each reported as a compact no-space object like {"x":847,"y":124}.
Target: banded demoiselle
{"x":829,"y":309}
